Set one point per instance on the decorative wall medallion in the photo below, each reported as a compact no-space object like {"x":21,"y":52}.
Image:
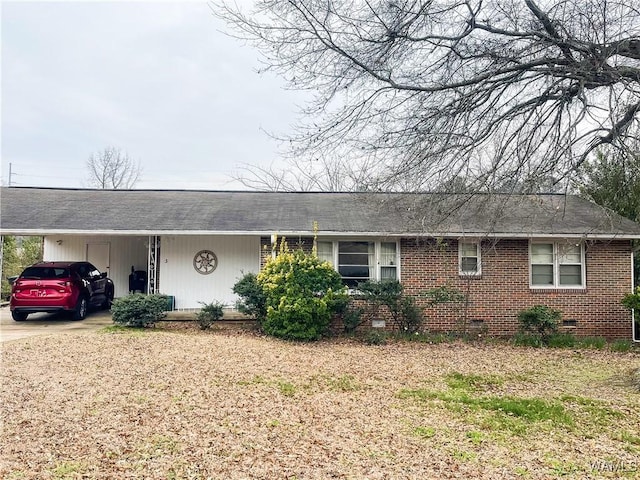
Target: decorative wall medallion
{"x":205,"y":262}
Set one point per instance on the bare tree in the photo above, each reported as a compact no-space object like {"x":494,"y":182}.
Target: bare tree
{"x":416,"y":92}
{"x":314,"y":174}
{"x":113,"y":169}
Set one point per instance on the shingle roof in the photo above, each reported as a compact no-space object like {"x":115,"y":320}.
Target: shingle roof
{"x":28,"y":210}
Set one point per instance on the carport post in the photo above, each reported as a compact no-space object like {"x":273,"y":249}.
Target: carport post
{"x":1,"y":254}
{"x":152,"y":264}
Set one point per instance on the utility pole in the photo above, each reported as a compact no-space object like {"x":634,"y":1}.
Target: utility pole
{"x":9,"y":183}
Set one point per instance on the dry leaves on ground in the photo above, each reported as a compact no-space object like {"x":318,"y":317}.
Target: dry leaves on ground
{"x":168,"y":404}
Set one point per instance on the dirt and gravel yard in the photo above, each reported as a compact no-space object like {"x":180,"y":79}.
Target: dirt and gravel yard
{"x":183,"y":404}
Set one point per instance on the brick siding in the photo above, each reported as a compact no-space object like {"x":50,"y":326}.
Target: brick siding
{"x":502,"y":291}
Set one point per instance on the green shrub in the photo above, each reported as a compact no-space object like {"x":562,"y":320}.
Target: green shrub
{"x":621,"y":346}
{"x":139,"y":310}
{"x":302,"y":295}
{"x":597,"y":343}
{"x":208,"y":314}
{"x":562,"y":340}
{"x":410,"y":318}
{"x":540,"y":320}
{"x":632,"y":300}
{"x":406,"y":316}
{"x":352,"y":318}
{"x":375,"y":337}
{"x":253,"y":301}
{"x":522,"y":339}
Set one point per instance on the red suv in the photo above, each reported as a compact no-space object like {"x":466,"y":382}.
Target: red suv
{"x":60,"y":286}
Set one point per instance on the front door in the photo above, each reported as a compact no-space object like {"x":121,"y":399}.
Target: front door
{"x":98,"y":254}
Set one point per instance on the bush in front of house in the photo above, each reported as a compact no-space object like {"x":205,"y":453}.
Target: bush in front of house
{"x":540,"y":321}
{"x":253,"y":301}
{"x":139,"y":310}
{"x":208,"y":314}
{"x":405,"y":315}
{"x":302,"y":295}
{"x":632,"y":300}
{"x":352,"y":317}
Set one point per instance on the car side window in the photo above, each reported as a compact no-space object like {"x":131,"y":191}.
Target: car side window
{"x":83,"y":271}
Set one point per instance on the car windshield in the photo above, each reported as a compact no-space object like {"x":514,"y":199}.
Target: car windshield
{"x":45,"y":273}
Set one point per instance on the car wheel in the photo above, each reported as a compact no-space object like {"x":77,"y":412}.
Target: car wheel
{"x":81,"y":309}
{"x":19,"y":316}
{"x":108,"y":300}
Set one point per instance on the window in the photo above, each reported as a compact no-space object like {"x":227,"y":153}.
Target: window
{"x":356,"y":262}
{"x":359,"y":261}
{"x":388,"y":261}
{"x":559,"y":265}
{"x":570,"y":265}
{"x":469,"y":258}
{"x":325,"y":251}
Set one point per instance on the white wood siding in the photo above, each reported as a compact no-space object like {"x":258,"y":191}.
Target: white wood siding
{"x":236,"y":256}
{"x":124,"y":252}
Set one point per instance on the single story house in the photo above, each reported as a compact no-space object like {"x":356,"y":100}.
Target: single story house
{"x":506,"y":252}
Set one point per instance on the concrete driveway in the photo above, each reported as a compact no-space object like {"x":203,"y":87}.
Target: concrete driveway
{"x":47,"y":323}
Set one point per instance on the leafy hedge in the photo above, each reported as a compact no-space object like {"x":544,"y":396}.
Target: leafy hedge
{"x":632,"y":300}
{"x":295,"y":295}
{"x":139,"y":310}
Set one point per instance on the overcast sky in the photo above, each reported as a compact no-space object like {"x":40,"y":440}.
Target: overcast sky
{"x":157,"y":79}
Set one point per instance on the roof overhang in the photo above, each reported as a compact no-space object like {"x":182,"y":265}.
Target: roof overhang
{"x":310,"y":233}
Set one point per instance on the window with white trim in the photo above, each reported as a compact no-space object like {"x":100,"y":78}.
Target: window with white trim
{"x":469,"y":258}
{"x":358,"y":261}
{"x":557,"y":265}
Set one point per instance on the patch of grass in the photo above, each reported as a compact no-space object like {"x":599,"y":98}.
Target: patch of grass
{"x":597,"y":343}
{"x":596,"y":411}
{"x":424,"y":432}
{"x":561,"y":340}
{"x":530,"y":409}
{"x":476,"y":437}
{"x":115,"y":329}
{"x":287,"y":389}
{"x":560,"y":468}
{"x":68,"y":470}
{"x":521,"y":471}
{"x":256,"y":380}
{"x":629,"y":438}
{"x":568,"y":340}
{"x":496,"y":413}
{"x":463,"y":455}
{"x":622,"y":346}
{"x":526,"y":340}
{"x":15,"y":475}
{"x":344,"y":383}
{"x":472,"y":383}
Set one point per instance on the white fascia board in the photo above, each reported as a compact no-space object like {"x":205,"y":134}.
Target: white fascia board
{"x":321,"y":233}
